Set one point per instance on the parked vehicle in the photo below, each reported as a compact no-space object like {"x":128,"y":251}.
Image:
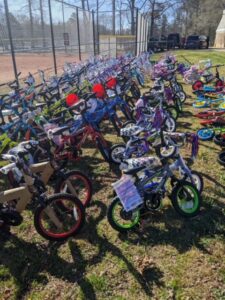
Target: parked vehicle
{"x":197,"y":42}
{"x":173,"y":41}
{"x":203,"y":42}
{"x":157,"y":44}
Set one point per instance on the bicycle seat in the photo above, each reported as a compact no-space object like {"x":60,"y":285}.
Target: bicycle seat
{"x":131,"y":131}
{"x":18,"y":150}
{"x":59,"y":131}
{"x":16,"y":105}
{"x":15,"y":119}
{"x":79,"y":106}
{"x":40,"y":105}
{"x":134,"y":170}
{"x":88,"y":96}
{"x":56,"y":120}
{"x":7,"y":112}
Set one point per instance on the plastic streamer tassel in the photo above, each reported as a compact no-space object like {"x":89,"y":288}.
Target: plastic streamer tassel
{"x":158,"y":119}
{"x":195,"y":146}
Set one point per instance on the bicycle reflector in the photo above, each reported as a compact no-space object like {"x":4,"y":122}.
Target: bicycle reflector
{"x":71,"y":99}
{"x":99,"y":90}
{"x":111,"y":83}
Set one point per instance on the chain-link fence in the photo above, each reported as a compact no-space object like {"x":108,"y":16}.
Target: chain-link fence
{"x":44,"y":34}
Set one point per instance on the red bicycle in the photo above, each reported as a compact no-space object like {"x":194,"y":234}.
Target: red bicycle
{"x":68,"y":146}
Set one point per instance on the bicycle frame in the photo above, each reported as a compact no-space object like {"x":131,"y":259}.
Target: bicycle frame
{"x":22,"y":195}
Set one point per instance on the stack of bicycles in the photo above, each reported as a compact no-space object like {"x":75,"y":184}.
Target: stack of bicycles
{"x":45,"y":127}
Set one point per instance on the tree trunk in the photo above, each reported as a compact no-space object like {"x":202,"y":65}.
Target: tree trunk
{"x":132,"y":17}
{"x":114,"y":17}
{"x":42,"y":24}
{"x":31,"y":24}
{"x":152,"y":23}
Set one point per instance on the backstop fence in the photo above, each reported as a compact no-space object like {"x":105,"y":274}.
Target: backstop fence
{"x":44,"y":34}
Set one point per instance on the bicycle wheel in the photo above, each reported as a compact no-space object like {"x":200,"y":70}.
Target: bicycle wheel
{"x":182,"y":96}
{"x":121,"y":220}
{"x":53,"y":222}
{"x":172,"y":110}
{"x":219,"y":139}
{"x":221,"y":158}
{"x":198,"y":180}
{"x":116,"y":153}
{"x":205,"y":134}
{"x":77,"y":184}
{"x":186,"y":199}
{"x":170,"y":124}
{"x":165,"y":151}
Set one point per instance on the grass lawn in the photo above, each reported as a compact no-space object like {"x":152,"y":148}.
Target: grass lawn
{"x":194,"y":56}
{"x":169,"y":258}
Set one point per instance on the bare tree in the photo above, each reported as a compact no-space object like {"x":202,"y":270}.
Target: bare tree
{"x":31,"y":23}
{"x":42,"y":23}
{"x":157,"y":8}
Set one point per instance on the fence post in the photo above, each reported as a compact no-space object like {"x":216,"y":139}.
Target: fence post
{"x":78,"y":33}
{"x":52,"y":36}
{"x":136,"y":42}
{"x":97,"y":26}
{"x":140,"y":44}
{"x":93,"y":25}
{"x":10,"y":39}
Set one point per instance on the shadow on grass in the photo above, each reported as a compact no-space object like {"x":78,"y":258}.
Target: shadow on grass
{"x":178,"y":232}
{"x":185,"y":125}
{"x":206,"y":145}
{"x":146,"y":279}
{"x":186,"y":114}
{"x":212,"y":180}
{"x":27,"y":261}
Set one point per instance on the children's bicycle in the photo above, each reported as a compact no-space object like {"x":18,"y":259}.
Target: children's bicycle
{"x":56,"y":218}
{"x":142,"y":188}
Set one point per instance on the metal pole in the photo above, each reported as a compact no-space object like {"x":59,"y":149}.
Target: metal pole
{"x":78,"y":33}
{"x":10,"y":39}
{"x":64,"y":26}
{"x":93,"y":25}
{"x":109,"y":47}
{"x":145,"y":38}
{"x":120,"y":23}
{"x":97,"y":27}
{"x":52,"y":36}
{"x":136,"y":42}
{"x":113,"y":17}
{"x":141,"y":34}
